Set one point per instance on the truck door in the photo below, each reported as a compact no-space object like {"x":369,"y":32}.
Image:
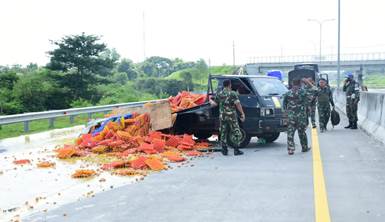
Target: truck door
{"x":215,"y":85}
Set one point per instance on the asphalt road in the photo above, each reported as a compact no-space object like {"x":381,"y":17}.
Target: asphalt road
{"x":263,"y":185}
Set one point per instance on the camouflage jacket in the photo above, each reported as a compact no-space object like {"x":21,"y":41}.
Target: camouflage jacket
{"x":352,"y":90}
{"x":324,"y":96}
{"x":295,"y":101}
{"x":226,"y":99}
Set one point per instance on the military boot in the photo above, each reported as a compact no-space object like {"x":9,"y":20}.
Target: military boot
{"x":306,"y":149}
{"x":349,"y":126}
{"x":224,"y":149}
{"x":354,"y":125}
{"x":237,"y":152}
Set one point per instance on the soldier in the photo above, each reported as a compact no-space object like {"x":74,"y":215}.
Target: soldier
{"x":295,"y":102}
{"x":352,"y":98}
{"x":228,"y":102}
{"x":312,"y":107}
{"x":324,"y":99}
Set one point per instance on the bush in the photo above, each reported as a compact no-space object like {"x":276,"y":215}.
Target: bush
{"x":160,"y":87}
{"x":115,"y":93}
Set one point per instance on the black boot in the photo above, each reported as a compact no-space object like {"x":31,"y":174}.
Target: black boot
{"x":224,"y":149}
{"x":237,"y":152}
{"x":354,"y":125}
{"x":349,"y":126}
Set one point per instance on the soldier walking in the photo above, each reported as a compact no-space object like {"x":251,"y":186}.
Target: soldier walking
{"x":352,"y":90}
{"x":229,"y":103}
{"x":324,"y":100}
{"x":312,"y":107}
{"x":295,"y":102}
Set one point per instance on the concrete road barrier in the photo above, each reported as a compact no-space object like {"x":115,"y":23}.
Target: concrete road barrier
{"x":371,"y":112}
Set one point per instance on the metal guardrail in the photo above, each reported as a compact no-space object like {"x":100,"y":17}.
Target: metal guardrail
{"x":71,"y":113}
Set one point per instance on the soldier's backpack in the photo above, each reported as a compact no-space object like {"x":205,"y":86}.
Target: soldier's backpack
{"x":334,"y":117}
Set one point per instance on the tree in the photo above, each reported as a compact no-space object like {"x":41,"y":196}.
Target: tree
{"x":179,"y":64}
{"x":83,"y":60}
{"x":8,"y":79}
{"x":119,"y":78}
{"x":157,"y":66}
{"x":160,"y":87}
{"x":128,"y":67}
{"x":37,"y":91}
{"x":187,"y":79}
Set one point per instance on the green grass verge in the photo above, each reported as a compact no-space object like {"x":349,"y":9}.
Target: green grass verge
{"x":17,"y":129}
{"x":375,"y":81}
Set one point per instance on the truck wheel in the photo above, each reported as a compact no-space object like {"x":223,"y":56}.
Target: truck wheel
{"x":245,"y":139}
{"x":269,"y":137}
{"x":202,"y":136}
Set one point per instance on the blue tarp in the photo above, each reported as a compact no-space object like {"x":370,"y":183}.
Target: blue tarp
{"x":113,"y":119}
{"x":276,"y":73}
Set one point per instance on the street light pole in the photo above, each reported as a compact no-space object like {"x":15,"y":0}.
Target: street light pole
{"x":320,"y":42}
{"x":233,"y":53}
{"x":320,"y":23}
{"x":339,"y":46}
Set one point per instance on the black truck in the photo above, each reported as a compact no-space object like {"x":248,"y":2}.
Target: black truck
{"x":306,"y":70}
{"x":261,"y":99}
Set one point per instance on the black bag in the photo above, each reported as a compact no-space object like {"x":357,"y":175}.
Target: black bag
{"x":334,"y":117}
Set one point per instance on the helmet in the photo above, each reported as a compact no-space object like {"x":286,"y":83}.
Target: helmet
{"x":349,"y":75}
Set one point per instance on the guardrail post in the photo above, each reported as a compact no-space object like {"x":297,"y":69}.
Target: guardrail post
{"x":89,"y":116}
{"x":26,"y":126}
{"x":72,"y":119}
{"x":51,"y":123}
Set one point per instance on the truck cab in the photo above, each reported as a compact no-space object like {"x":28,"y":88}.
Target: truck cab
{"x":261,"y":99}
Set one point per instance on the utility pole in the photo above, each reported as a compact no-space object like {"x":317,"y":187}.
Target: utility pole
{"x":320,"y":23}
{"x":144,"y":37}
{"x":339,"y":46}
{"x":233,"y":53}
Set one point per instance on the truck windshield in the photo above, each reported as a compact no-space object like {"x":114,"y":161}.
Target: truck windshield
{"x":269,"y":87}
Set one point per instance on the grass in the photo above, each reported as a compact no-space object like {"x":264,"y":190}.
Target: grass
{"x":375,"y":81}
{"x":17,"y":129}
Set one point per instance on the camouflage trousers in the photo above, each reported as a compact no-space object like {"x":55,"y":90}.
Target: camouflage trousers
{"x":300,"y":124}
{"x":311,"y":112}
{"x":229,"y":129}
{"x":324,"y":115}
{"x":351,"y":110}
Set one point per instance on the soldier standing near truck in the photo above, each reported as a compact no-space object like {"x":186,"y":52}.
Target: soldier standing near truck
{"x":324,"y":99}
{"x":312,"y":107}
{"x":229,"y":103}
{"x":295,"y":102}
{"x":352,"y":90}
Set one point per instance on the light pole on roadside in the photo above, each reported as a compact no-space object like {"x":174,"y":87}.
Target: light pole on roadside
{"x":233,"y":53}
{"x":320,"y":23}
{"x":339,"y":46}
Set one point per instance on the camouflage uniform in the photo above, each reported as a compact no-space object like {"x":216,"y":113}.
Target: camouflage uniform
{"x":324,"y":99}
{"x":295,"y":102}
{"x":311,"y":109}
{"x":228,"y":121}
{"x":352,"y":99}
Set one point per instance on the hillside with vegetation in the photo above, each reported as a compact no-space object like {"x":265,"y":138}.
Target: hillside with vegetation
{"x":83,"y":71}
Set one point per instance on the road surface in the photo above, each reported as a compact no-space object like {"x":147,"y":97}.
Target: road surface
{"x":263,"y":185}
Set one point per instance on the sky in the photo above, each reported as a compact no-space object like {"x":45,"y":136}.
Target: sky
{"x":191,"y":29}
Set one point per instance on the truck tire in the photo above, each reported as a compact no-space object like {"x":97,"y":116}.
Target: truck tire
{"x":244,"y":141}
{"x":203,"y":135}
{"x":269,"y":137}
